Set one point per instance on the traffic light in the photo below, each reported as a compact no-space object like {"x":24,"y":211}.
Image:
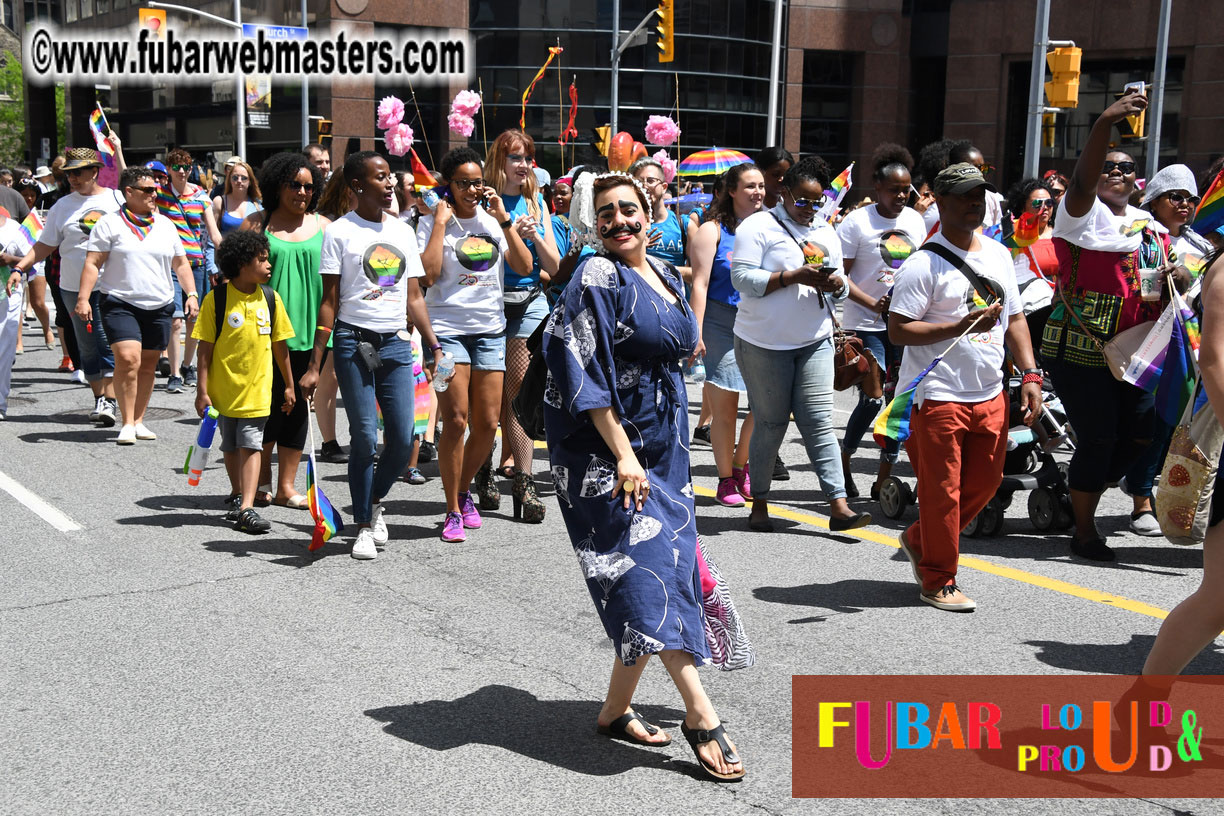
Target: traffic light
{"x":1047,"y":130}
{"x":667,"y":30}
{"x":603,"y":139}
{"x":1063,"y":90}
{"x":323,"y":131}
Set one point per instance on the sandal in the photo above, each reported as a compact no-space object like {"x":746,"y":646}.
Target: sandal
{"x":619,"y":729}
{"x":295,"y":502}
{"x":263,"y":496}
{"x":699,"y":736}
{"x":507,"y":471}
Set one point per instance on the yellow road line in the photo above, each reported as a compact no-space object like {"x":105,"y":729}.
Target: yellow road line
{"x":979,"y":564}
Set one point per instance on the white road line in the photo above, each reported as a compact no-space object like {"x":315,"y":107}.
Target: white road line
{"x":45,"y":511}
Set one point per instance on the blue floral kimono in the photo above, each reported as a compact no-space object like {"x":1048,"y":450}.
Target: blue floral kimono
{"x":613,"y":341}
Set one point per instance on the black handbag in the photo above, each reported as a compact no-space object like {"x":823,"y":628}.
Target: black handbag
{"x":517,"y":300}
{"x":528,"y":403}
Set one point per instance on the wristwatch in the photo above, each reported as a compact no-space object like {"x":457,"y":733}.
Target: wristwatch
{"x":507,"y":223}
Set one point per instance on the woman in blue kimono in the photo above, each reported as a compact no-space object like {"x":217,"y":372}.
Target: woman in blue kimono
{"x":616,"y":416}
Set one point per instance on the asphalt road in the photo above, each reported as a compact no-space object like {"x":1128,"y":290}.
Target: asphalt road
{"x":155,"y":661}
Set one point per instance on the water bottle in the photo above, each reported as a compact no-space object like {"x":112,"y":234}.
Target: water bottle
{"x":197,"y":454}
{"x":430,"y":198}
{"x":446,"y":370}
{"x":697,"y":370}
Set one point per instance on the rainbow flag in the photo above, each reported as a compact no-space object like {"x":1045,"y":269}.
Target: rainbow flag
{"x":31,"y":228}
{"x":327,"y":520}
{"x":1176,"y":383}
{"x":836,"y":191}
{"x":1210,"y":213}
{"x":1026,"y":232}
{"x":422,"y":179}
{"x":99,"y":128}
{"x":893,"y":423}
{"x":423,"y":394}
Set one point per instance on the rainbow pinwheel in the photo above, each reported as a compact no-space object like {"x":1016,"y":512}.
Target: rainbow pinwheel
{"x":712,"y":162}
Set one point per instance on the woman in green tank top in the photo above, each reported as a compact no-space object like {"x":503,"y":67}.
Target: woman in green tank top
{"x":295,"y":240}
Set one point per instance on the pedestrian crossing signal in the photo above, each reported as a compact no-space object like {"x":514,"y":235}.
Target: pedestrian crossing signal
{"x":603,"y":139}
{"x":1062,"y":91}
{"x":1047,"y":130}
{"x":667,"y":30}
{"x":323,"y":131}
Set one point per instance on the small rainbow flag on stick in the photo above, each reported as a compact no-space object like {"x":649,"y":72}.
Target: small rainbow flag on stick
{"x":99,"y":128}
{"x":1210,"y":213}
{"x":327,"y":520}
{"x":31,"y":228}
{"x":838,"y":188}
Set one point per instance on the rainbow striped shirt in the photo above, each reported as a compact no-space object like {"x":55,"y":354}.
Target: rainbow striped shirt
{"x":187,"y":215}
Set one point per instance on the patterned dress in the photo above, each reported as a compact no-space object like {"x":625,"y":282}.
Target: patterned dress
{"x":613,"y":341}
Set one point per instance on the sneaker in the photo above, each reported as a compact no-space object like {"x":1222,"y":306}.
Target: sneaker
{"x":1123,"y":486}
{"x":78,"y":377}
{"x":728,"y":494}
{"x":468,"y":511}
{"x":144,"y":433}
{"x":107,"y":413}
{"x":950,"y":599}
{"x":903,"y":540}
{"x":2,"y":416}
{"x":428,"y":452}
{"x":250,"y":522}
{"x":701,"y":437}
{"x":333,"y":452}
{"x":127,"y":435}
{"x":452,"y":530}
{"x":188,"y":373}
{"x":363,"y":547}
{"x":742,"y":481}
{"x":95,"y":415}
{"x":781,"y":474}
{"x":415,"y":477}
{"x":234,"y":503}
{"x":66,"y":366}
{"x":175,"y":385}
{"x":378,"y":525}
{"x":1094,"y":550}
{"x":163,"y":367}
{"x":1144,"y":523}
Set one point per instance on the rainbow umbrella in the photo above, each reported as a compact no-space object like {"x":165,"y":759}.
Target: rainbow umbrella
{"x":712,"y":162}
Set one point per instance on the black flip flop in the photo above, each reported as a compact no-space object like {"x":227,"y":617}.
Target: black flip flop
{"x":618,"y":729}
{"x":699,"y":736}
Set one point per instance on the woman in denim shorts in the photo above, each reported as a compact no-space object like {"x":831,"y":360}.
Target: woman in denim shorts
{"x":464,"y":246}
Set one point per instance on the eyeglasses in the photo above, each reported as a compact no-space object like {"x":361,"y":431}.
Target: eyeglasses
{"x":468,"y":184}
{"x":1177,"y":199}
{"x":650,"y":181}
{"x":1040,"y":204}
{"x":182,"y":168}
{"x":145,"y":190}
{"x":518,"y":157}
{"x":1123,"y":167}
{"x":298,"y":186}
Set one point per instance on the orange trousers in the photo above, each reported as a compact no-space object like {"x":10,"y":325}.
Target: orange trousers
{"x":957,"y":451}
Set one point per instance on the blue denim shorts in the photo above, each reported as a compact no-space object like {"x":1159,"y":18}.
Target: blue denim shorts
{"x":483,"y":352}
{"x":522,"y":327}
{"x":718,"y":332}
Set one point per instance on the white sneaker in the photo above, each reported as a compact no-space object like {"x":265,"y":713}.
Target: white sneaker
{"x":106,"y":413}
{"x":127,"y":435}
{"x":363,"y":547}
{"x":378,"y":526}
{"x":78,"y":377}
{"x":1144,"y":523}
{"x":144,"y":433}
{"x":96,"y":414}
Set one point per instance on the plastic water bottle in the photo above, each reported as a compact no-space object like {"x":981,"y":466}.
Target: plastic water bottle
{"x":197,"y":454}
{"x":446,"y":370}
{"x":430,"y":198}
{"x":697,"y":370}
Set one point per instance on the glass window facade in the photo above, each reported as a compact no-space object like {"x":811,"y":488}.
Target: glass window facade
{"x":721,"y":71}
{"x":828,"y":93}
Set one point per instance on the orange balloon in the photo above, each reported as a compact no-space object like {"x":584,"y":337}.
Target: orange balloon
{"x":620,"y":152}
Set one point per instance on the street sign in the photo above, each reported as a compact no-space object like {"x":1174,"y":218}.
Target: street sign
{"x":272,"y":32}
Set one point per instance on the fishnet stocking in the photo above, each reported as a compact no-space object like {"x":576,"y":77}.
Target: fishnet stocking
{"x":521,"y":446}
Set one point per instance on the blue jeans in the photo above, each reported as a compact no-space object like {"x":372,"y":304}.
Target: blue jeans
{"x":785,"y":381}
{"x":97,"y":360}
{"x":1142,"y":474}
{"x":390,"y":387}
{"x":867,"y":410}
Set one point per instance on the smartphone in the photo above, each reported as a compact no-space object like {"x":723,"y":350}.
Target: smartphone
{"x":369,"y":356}
{"x":1134,"y":87}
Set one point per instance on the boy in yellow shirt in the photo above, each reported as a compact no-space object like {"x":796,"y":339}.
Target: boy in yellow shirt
{"x":242,"y":326}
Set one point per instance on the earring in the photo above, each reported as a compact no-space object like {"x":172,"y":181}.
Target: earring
{"x":360,"y":190}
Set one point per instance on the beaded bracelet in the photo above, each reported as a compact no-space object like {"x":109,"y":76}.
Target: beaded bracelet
{"x":1032,"y":377}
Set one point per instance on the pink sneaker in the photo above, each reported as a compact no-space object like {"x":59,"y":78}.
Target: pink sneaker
{"x":740,"y":475}
{"x":467,"y":508}
{"x":453,"y":529}
{"x":728,"y":494}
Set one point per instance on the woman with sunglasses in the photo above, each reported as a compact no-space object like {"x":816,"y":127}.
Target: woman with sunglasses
{"x":1036,"y":261}
{"x":715,"y":302}
{"x":134,"y":256}
{"x":465,"y":246}
{"x":509,"y":171}
{"x":788,"y":270}
{"x":1103,"y":246}
{"x":295,"y":243}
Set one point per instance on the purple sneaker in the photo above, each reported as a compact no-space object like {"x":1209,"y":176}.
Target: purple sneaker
{"x":467,"y":508}
{"x":453,"y":529}
{"x":728,"y":494}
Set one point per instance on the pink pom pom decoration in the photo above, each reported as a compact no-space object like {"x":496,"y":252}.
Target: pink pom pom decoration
{"x":398,"y":139}
{"x":661,"y":131}
{"x":466,"y":103}
{"x":463,"y":125}
{"x":669,"y":166}
{"x":390,"y":112}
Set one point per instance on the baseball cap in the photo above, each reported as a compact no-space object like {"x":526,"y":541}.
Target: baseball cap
{"x":958,"y":179}
{"x":232,"y":160}
{"x":543,"y":179}
{"x":158,"y":166}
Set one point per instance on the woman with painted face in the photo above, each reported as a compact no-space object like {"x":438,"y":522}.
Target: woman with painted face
{"x":1105,"y":247}
{"x":616,"y":414}
{"x":295,"y":243}
{"x":1037,"y":261}
{"x":370,"y":268}
{"x":875,"y":240}
{"x":508,"y":171}
{"x":715,"y":302}
{"x":788,"y":270}
{"x":465,"y":247}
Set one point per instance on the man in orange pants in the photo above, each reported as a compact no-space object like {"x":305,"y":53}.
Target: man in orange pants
{"x":960,"y":286}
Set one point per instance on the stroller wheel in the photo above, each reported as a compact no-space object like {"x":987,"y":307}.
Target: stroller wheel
{"x":971,"y":529}
{"x":990,"y":520}
{"x":894,"y":496}
{"x":1043,"y":509}
{"x":1066,"y":516}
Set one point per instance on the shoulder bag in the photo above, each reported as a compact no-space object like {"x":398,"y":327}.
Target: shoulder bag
{"x":1187,"y":479}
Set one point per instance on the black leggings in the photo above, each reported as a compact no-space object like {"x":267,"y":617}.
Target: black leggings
{"x":289,"y":430}
{"x":63,"y":320}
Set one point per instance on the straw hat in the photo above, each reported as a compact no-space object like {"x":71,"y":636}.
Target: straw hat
{"x":79,"y":157}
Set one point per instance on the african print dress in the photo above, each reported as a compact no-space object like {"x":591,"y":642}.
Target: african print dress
{"x":613,"y":341}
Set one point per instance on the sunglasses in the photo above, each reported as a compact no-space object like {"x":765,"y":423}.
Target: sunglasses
{"x":76,"y":171}
{"x":986,"y":168}
{"x":1123,"y":167}
{"x":145,"y":190}
{"x":182,"y":168}
{"x":468,"y":184}
{"x":1177,"y":199}
{"x":806,"y":203}
{"x":1040,"y":204}
{"x":298,"y":186}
